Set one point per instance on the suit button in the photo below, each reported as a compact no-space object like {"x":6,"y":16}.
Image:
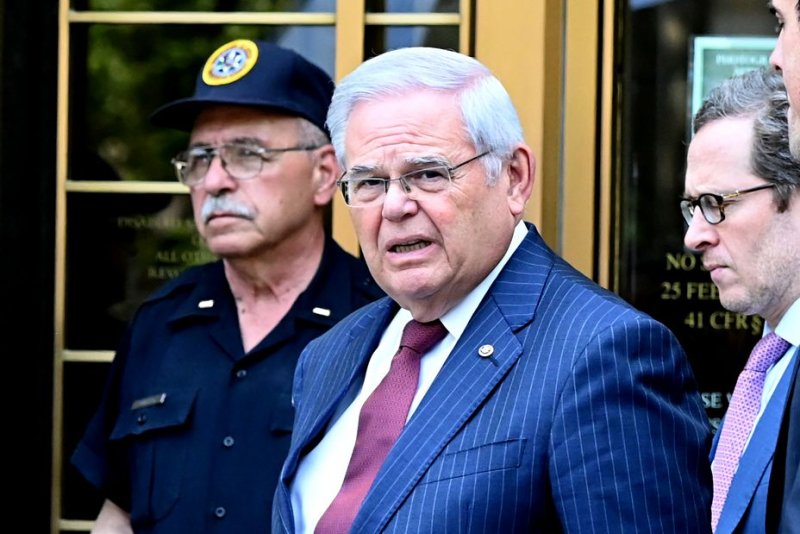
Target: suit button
{"x":228,"y":441}
{"x":141,"y":419}
{"x":219,"y":511}
{"x":241,"y":373}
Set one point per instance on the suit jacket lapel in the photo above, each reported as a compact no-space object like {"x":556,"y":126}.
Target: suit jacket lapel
{"x":341,"y":371}
{"x":755,"y":461}
{"x":464,"y":382}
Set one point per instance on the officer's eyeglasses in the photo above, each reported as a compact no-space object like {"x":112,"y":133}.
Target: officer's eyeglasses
{"x":241,"y":161}
{"x":713,"y":206}
{"x":361,"y":189}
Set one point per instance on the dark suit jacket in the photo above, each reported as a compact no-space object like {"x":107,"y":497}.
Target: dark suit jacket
{"x":586,"y":418}
{"x":783,"y":513}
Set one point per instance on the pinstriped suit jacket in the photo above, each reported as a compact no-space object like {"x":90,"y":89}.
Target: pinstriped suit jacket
{"x":586,"y":419}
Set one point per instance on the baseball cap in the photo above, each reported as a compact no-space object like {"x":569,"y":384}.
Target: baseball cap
{"x":256,"y":74}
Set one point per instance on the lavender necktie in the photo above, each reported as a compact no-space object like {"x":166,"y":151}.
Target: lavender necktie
{"x":382,"y":418}
{"x":741,"y":414}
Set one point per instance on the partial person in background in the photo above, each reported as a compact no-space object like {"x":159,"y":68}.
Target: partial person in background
{"x":742,"y":207}
{"x":496,"y":389}
{"x":784,"y":498}
{"x":196,"y":416}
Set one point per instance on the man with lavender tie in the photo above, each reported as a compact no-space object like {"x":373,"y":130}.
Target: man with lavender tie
{"x":496,"y":389}
{"x":741,"y":205}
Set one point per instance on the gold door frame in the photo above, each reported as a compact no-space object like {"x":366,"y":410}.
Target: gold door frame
{"x":549,"y":55}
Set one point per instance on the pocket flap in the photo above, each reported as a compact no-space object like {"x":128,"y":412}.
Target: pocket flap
{"x":160,"y":410}
{"x":480,"y":459}
{"x":282,"y":420}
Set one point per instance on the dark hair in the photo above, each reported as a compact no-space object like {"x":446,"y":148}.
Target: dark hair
{"x":759,"y":94}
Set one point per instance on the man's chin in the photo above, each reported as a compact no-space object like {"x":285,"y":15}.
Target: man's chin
{"x":409,"y":292}
{"x":734,"y":302}
{"x":228,"y":247}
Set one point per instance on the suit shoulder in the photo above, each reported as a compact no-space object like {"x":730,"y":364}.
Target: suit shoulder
{"x":572,"y":289}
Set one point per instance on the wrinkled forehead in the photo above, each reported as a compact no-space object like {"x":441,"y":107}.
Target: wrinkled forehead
{"x":412,"y":127}
{"x":400,"y":164}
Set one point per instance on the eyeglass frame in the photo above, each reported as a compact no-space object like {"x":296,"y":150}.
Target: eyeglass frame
{"x":265,"y":154}
{"x":342,"y":183}
{"x":688,"y":205}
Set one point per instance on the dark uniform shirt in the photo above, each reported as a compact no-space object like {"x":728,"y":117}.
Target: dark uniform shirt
{"x":192,"y":432}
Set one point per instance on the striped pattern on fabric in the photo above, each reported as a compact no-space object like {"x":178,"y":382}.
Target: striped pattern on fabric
{"x":586,"y":419}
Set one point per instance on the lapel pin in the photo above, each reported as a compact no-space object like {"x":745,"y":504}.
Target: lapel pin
{"x":485,"y":351}
{"x":325,"y":312}
{"x":206,"y":303}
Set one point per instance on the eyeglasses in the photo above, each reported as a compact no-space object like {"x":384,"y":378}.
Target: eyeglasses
{"x":713,"y":206}
{"x":240,"y":160}
{"x":361,"y":190}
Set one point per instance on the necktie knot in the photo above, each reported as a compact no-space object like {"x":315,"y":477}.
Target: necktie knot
{"x":420,"y":337}
{"x":767,"y":351}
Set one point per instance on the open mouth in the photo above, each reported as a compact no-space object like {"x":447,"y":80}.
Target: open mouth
{"x":410,"y":247}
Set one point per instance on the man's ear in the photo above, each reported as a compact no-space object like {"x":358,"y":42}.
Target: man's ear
{"x":325,"y":174}
{"x":521,"y":170}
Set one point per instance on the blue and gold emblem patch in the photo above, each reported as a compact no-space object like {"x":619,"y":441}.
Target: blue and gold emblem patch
{"x":230,"y":62}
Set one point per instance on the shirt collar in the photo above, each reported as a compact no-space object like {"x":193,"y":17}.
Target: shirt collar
{"x":789,"y":327}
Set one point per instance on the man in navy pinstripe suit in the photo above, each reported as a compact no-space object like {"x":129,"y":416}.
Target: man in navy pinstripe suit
{"x":551,"y":405}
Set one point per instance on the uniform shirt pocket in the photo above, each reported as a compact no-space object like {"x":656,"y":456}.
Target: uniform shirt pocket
{"x":151,"y":437}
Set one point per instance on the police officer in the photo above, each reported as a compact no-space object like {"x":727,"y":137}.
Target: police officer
{"x":196,"y":417}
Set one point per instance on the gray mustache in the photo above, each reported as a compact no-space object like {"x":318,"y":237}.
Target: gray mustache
{"x":224,"y":204}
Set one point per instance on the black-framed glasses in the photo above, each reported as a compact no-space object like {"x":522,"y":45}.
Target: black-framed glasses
{"x":713,"y":206}
{"x":361,"y":189}
{"x":242,"y":161}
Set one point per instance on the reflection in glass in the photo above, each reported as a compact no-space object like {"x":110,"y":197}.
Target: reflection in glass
{"x":120,"y":248}
{"x":378,"y":39}
{"x":114,"y":87}
{"x":412,"y":6}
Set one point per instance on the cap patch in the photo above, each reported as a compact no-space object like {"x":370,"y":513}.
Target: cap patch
{"x":230,"y":62}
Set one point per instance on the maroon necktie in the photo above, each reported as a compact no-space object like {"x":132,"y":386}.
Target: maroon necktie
{"x":744,"y":406}
{"x":382,"y":418}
